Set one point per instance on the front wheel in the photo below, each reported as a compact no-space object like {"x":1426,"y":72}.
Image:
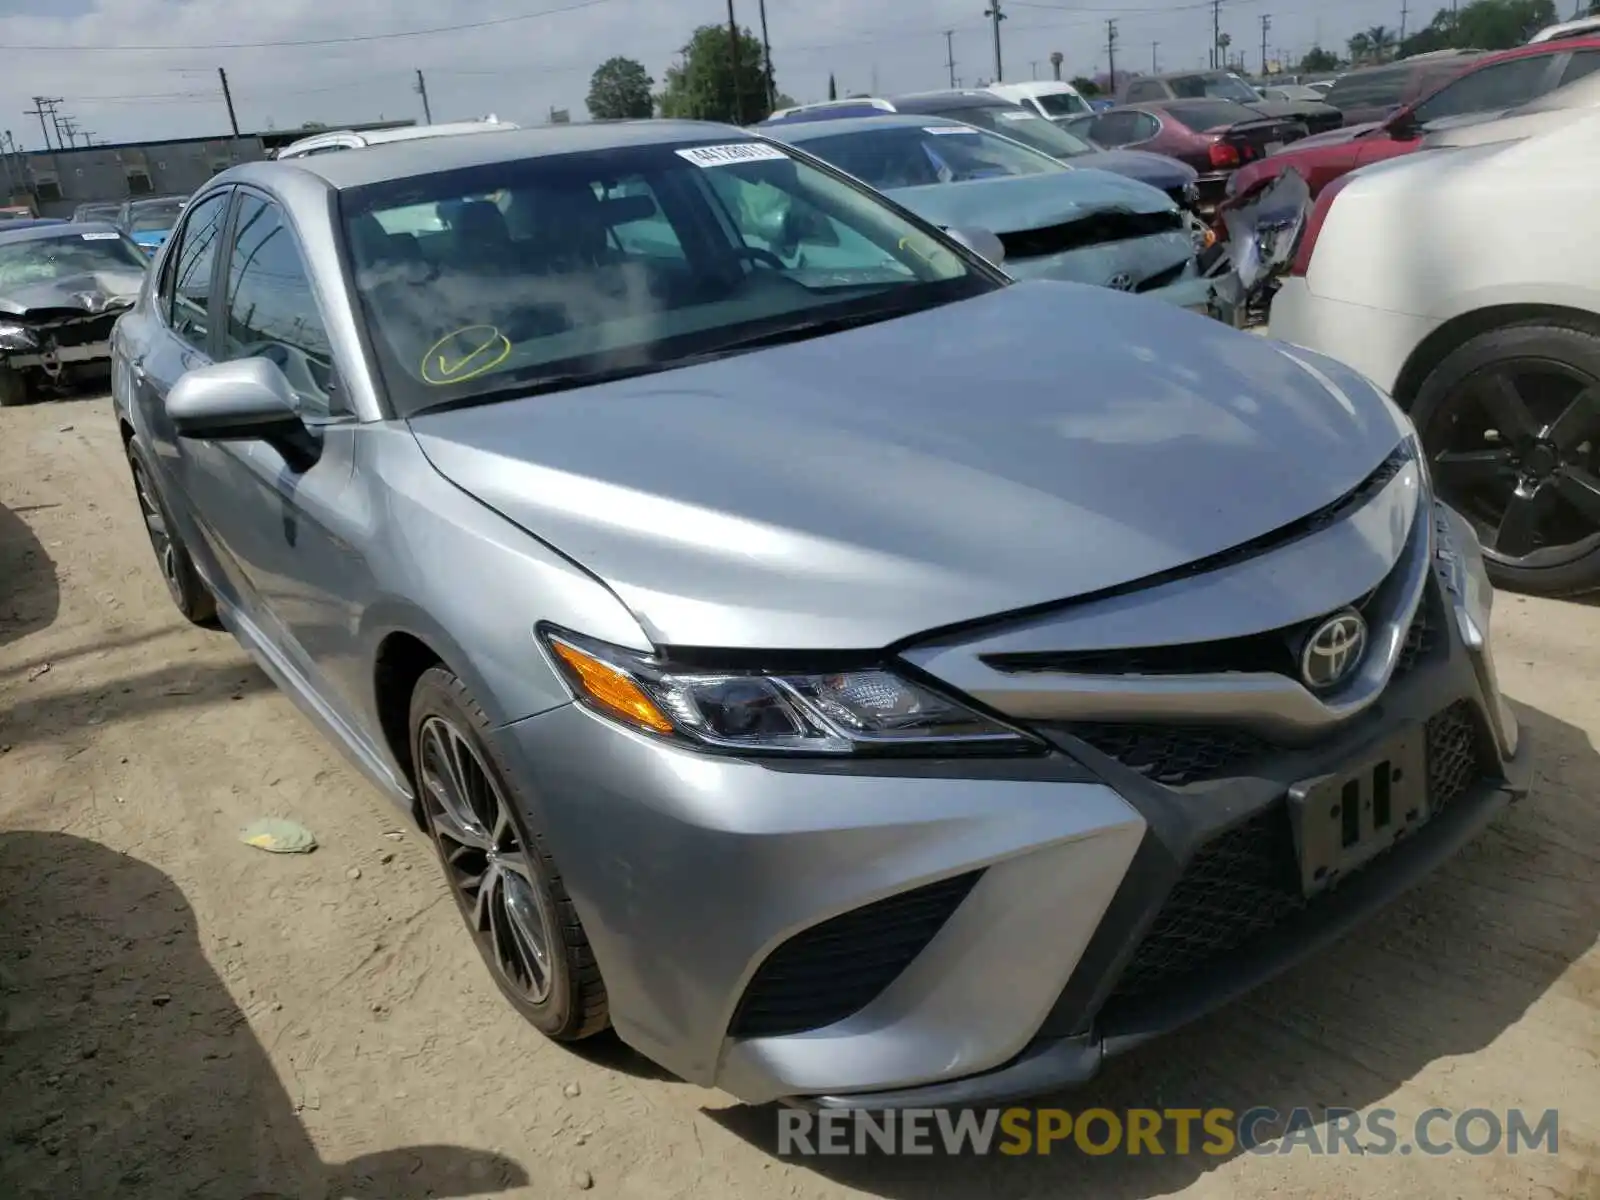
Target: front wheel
{"x":500,"y":872}
{"x":13,"y":388}
{"x":1511,"y":425}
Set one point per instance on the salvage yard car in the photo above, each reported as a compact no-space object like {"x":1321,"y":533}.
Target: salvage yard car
{"x":1053,"y":221}
{"x":1492,"y":344}
{"x":62,"y":287}
{"x":878,"y":684}
{"x":149,"y":222}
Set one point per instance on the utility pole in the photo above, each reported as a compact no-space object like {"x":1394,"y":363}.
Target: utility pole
{"x":44,"y":106}
{"x":1056,"y":59}
{"x":228,"y":100}
{"x":1216,"y":32}
{"x":422,"y":90}
{"x":1266,"y":24}
{"x":767,"y":74}
{"x":1402,"y":26}
{"x":71,"y":128}
{"x":733,"y":63}
{"x":950,"y":54}
{"x":1154,"y":70}
{"x":1111,"y":55}
{"x":996,"y":16}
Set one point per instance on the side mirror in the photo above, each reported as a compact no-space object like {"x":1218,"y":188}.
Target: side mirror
{"x":247,"y":400}
{"x":1403,"y":125}
{"x":981,"y":242}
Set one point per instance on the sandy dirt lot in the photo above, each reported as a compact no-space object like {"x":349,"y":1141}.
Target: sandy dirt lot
{"x":181,"y":1015}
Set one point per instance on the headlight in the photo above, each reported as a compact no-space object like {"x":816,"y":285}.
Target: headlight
{"x":16,"y":337}
{"x":866,"y":711}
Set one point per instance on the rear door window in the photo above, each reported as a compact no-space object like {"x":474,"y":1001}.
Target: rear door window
{"x":1146,"y":89}
{"x":1580,"y":64}
{"x":1379,"y":87}
{"x":192,"y":260}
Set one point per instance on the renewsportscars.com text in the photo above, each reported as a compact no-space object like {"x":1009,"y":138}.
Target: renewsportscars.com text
{"x":1216,"y":1132}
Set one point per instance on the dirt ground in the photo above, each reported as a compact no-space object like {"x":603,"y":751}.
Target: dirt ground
{"x":181,"y":1015}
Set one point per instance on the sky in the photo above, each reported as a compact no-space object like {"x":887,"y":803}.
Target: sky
{"x":131,"y":70}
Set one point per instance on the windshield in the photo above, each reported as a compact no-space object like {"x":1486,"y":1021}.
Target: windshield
{"x":43,"y":260}
{"x":1212,"y":87}
{"x":900,"y":156}
{"x":485,"y":282}
{"x":1062,"y":104}
{"x":154,"y":218}
{"x":1029,"y":128}
{"x":1212,"y":114}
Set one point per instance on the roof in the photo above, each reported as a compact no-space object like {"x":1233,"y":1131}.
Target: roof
{"x":948,"y":98}
{"x":1034,"y":87}
{"x":48,"y":232}
{"x":1566,"y":29}
{"x":156,"y":201}
{"x":805,"y":131}
{"x":397,"y":133}
{"x":424,"y":156}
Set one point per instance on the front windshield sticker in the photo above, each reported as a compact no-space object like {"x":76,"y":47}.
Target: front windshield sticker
{"x":465,"y":354}
{"x":1019,"y":116}
{"x":727,"y":156}
{"x":949,"y":129}
{"x":101,"y":237}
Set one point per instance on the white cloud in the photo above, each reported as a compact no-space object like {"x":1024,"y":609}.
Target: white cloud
{"x":523,"y":69}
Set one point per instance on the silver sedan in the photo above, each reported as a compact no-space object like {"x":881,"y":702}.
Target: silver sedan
{"x":858,"y":678}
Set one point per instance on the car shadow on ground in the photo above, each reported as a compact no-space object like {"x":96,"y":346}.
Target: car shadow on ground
{"x":129,"y":1071}
{"x":30,"y":595}
{"x":1443,"y":972}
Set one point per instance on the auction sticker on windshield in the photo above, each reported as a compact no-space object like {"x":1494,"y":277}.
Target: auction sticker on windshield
{"x":731,"y":155}
{"x":943,"y":129}
{"x":1021,"y":116}
{"x":100,"y":237}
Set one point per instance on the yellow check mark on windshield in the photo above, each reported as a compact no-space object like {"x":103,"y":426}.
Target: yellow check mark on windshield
{"x":444,"y":364}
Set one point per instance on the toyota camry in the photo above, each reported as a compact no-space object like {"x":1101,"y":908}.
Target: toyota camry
{"x":856,"y":677}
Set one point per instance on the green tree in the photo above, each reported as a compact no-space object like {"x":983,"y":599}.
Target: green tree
{"x":1317,"y":59}
{"x":784,"y":100}
{"x":619,"y":90}
{"x":1085,"y":85}
{"x":1500,"y":24}
{"x":703,"y":86}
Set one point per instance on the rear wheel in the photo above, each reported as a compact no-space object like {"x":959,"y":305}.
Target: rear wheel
{"x":500,"y":872}
{"x":1511,"y":425}
{"x":193,"y":598}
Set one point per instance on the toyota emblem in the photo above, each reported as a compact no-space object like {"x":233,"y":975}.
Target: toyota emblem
{"x":1334,"y":650}
{"x":1121,"y":281}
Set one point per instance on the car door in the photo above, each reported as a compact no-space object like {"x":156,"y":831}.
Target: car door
{"x":177,"y":341}
{"x":291,"y":524}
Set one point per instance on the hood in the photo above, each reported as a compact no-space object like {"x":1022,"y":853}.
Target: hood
{"x":1157,"y":170}
{"x":1033,"y":444}
{"x":1022,"y":202}
{"x":88,"y":293}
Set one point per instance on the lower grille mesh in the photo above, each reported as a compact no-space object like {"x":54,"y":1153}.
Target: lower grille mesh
{"x":834,"y":970}
{"x":1246,"y":881}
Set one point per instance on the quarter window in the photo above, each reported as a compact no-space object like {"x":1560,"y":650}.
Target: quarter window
{"x":192,"y":261}
{"x":1502,"y":85}
{"x":272,"y":308}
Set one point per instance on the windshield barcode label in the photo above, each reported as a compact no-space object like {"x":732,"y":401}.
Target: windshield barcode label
{"x":101,"y":237}
{"x":730,"y":155}
{"x":943,"y":129}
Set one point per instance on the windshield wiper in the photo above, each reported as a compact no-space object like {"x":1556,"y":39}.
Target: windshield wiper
{"x":805,"y":330}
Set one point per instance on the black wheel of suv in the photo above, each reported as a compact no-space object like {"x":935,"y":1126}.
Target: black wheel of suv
{"x":1511,"y":425}
{"x":193,"y":598}
{"x":13,"y":388}
{"x":499,"y":869}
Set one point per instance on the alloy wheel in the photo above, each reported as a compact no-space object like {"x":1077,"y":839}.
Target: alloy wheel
{"x":1516,"y":449}
{"x":161,"y":542}
{"x":485,"y":860}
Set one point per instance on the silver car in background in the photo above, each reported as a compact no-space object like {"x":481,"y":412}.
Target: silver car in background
{"x":858,"y":678}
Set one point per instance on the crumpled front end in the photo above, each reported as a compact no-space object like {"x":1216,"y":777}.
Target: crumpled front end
{"x":60,"y":343}
{"x":1159,"y":264}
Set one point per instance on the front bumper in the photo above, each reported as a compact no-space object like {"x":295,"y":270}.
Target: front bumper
{"x":1162,"y":267}
{"x":51,"y":358}
{"x":1375,"y":341}
{"x":959,"y":932}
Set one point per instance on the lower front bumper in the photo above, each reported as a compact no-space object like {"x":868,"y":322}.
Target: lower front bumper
{"x":92,"y":352}
{"x":1374,"y":341}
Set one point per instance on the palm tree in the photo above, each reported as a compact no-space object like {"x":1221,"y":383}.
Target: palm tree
{"x":1360,"y":48}
{"x":1382,"y":40}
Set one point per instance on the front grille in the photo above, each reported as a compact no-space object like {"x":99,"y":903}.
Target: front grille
{"x":1246,"y":881}
{"x":71,"y":327}
{"x":834,"y":970}
{"x":1172,"y":755}
{"x":1095,"y":230}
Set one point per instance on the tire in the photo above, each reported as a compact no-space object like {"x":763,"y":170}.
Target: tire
{"x":193,"y":599}
{"x":13,"y":388}
{"x":526,"y":892}
{"x":1544,"y":361}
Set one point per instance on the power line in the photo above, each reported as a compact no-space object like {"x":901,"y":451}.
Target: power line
{"x":333,"y":41}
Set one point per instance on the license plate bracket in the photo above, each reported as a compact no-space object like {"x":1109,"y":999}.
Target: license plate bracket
{"x":1344,"y":819}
